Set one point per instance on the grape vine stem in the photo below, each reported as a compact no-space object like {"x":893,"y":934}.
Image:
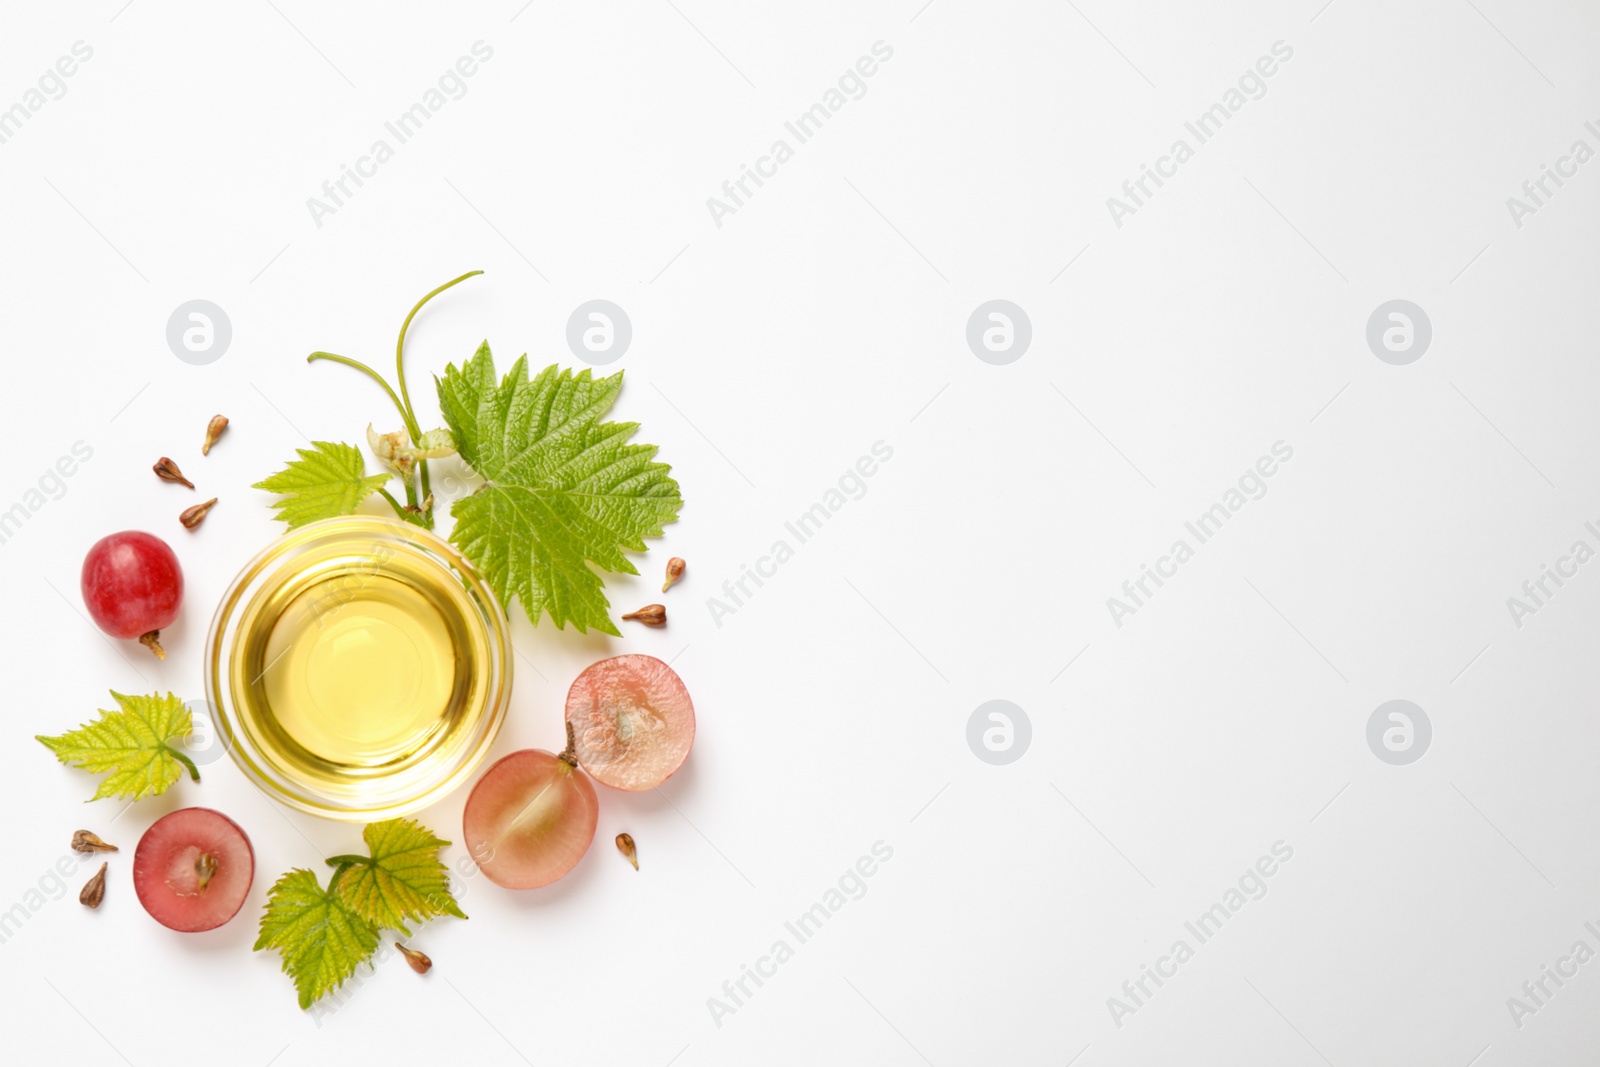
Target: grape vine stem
{"x":400,"y":372}
{"x":419,"y":505}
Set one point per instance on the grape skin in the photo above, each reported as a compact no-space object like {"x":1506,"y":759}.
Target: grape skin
{"x":530,"y":819}
{"x":131,"y":584}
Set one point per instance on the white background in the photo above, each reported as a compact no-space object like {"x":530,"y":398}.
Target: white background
{"x":770,"y":353}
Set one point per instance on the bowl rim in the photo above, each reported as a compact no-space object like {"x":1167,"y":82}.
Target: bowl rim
{"x":372,"y":530}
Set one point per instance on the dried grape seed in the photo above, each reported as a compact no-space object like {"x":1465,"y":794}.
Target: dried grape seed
{"x":629,"y":850}
{"x":650,"y":615}
{"x":192,"y":517}
{"x":95,"y":890}
{"x":88,"y":842}
{"x":214,"y":430}
{"x":168,"y":471}
{"x":417,"y":961}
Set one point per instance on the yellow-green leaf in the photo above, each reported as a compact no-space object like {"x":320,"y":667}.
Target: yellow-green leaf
{"x":133,"y":744}
{"x":328,"y":480}
{"x":402,"y":880}
{"x":322,"y":941}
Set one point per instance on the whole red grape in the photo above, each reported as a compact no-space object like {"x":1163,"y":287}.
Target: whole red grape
{"x":132,"y":586}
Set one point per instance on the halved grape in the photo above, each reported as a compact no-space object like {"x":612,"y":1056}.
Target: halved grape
{"x":530,"y":818}
{"x":193,"y":869}
{"x":633,"y":720}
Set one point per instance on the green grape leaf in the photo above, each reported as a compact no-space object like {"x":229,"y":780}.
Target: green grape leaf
{"x":401,"y":881}
{"x":133,"y":743}
{"x":562,"y":489}
{"x":321,"y":939}
{"x":329,"y":479}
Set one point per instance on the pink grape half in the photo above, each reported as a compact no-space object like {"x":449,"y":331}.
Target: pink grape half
{"x":193,"y":869}
{"x":530,"y":819}
{"x":633,"y":721}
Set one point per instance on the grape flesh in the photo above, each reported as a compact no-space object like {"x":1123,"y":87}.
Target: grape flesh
{"x":193,"y":869}
{"x":632,"y":720}
{"x":530,"y":819}
{"x":132,"y":585}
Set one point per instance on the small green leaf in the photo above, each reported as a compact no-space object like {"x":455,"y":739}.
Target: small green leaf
{"x":321,"y":939}
{"x":401,"y":881}
{"x":133,"y":743}
{"x":328,"y":480}
{"x":562,"y":489}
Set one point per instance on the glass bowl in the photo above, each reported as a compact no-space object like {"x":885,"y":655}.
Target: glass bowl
{"x":358,"y":668}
